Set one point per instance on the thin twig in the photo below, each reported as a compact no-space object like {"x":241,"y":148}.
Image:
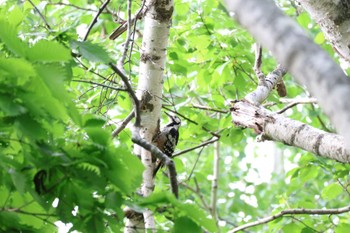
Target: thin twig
{"x":296,"y":102}
{"x":292,"y":212}
{"x":257,"y":65}
{"x":198,"y":190}
{"x":94,"y":20}
{"x":70,"y":5}
{"x":41,"y":15}
{"x":99,"y":84}
{"x":123,"y":124}
{"x":343,"y":186}
{"x":196,"y":147}
{"x":131,"y":93}
{"x":123,"y":27}
{"x":189,"y":120}
{"x":209,"y":108}
{"x":214,"y":182}
{"x":121,"y":61}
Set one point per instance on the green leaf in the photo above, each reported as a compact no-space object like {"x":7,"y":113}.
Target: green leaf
{"x":184,"y":224}
{"x":332,"y":191}
{"x":309,"y":173}
{"x":120,"y":162}
{"x":319,"y":38}
{"x":18,"y":180}
{"x":189,"y":211}
{"x":197,"y":215}
{"x":231,"y":136}
{"x":291,"y":228}
{"x":8,"y":35}
{"x":9,"y":107}
{"x":304,"y":19}
{"x":17,"y":71}
{"x":98,"y":135}
{"x":342,"y":228}
{"x":48,"y":51}
{"x":93,"y":121}
{"x":91,"y":52}
{"x":307,"y":230}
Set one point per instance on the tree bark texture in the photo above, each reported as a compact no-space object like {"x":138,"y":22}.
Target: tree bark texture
{"x":306,"y":61}
{"x":272,"y":126}
{"x":157,"y":22}
{"x":333,"y":17}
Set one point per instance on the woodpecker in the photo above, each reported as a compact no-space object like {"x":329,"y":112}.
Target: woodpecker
{"x":166,"y":140}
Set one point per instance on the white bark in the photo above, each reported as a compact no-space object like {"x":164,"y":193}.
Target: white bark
{"x":333,"y":18}
{"x":276,"y":127}
{"x":307,"y":62}
{"x":263,"y":90}
{"x":150,"y":85}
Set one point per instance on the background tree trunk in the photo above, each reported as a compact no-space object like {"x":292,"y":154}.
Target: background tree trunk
{"x":334,"y":20}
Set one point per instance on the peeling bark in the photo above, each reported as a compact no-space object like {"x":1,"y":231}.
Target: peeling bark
{"x":307,"y":62}
{"x":333,"y":17}
{"x":272,"y":126}
{"x":149,"y":90}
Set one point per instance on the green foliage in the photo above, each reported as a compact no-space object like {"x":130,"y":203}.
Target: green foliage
{"x":51,"y":151}
{"x":59,"y":162}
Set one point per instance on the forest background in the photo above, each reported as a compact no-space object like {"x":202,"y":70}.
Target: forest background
{"x":67,"y":107}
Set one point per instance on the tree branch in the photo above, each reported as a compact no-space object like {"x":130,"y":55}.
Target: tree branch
{"x":292,"y":212}
{"x":94,"y":20}
{"x":257,"y":65}
{"x":272,"y":126}
{"x":99,"y":84}
{"x":193,"y":122}
{"x":214,"y":182}
{"x":196,"y":147}
{"x":131,"y":93}
{"x":123,"y":124}
{"x":265,"y":87}
{"x":161,"y":156}
{"x":41,"y":15}
{"x":208,"y":108}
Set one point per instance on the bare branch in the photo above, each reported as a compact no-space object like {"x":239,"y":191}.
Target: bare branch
{"x":99,"y":84}
{"x":70,"y":5}
{"x":193,"y":122}
{"x":196,"y":147}
{"x":257,"y":65}
{"x":161,"y":156}
{"x":41,"y":15}
{"x":272,"y":126}
{"x":209,"y":108}
{"x":123,"y":124}
{"x":214,"y":182}
{"x":94,"y":20}
{"x":292,"y":212}
{"x":263,"y":91}
{"x":124,"y":26}
{"x":131,"y":93}
{"x":296,"y":102}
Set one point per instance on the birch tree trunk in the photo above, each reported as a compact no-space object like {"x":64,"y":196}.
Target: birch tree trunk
{"x":307,"y":62}
{"x":157,"y":22}
{"x":334,"y":20}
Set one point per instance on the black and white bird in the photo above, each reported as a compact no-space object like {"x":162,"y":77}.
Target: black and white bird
{"x":166,"y":140}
